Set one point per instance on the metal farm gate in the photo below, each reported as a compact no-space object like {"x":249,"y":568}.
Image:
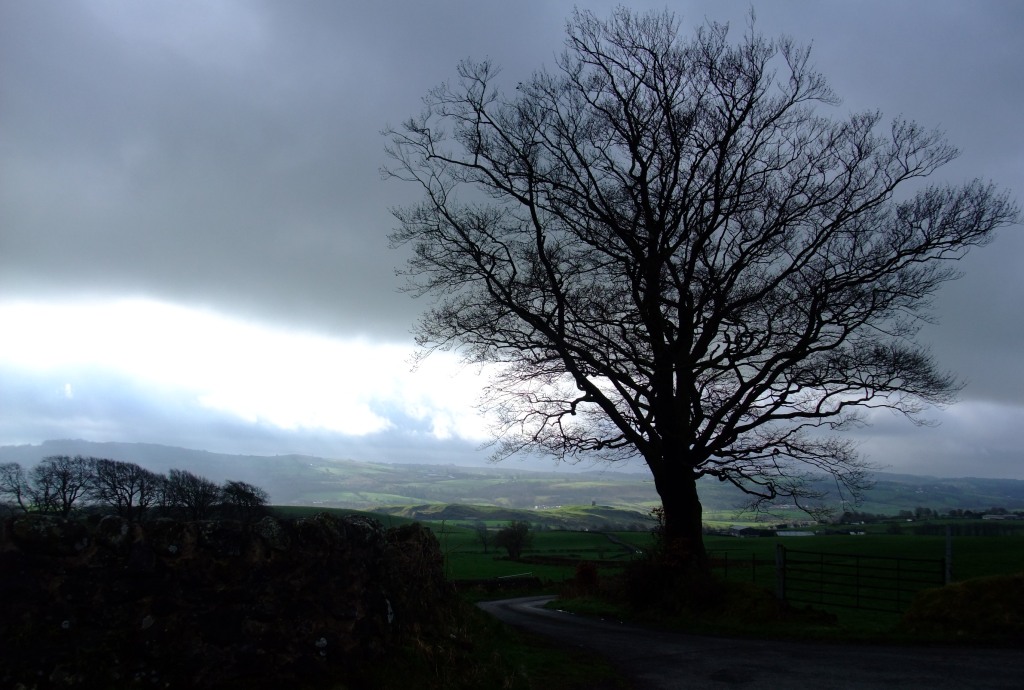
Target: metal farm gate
{"x":874,"y":583}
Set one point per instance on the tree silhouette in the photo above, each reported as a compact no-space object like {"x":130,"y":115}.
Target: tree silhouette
{"x":668,"y":252}
{"x":514,"y":538}
{"x":244,"y":501}
{"x":194,"y":495}
{"x":60,"y":481}
{"x":127,"y":487}
{"x":14,"y":485}
{"x":483,"y":534}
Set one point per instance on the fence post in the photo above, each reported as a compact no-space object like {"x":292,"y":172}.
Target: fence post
{"x":899,"y":585}
{"x":856,"y":582}
{"x":949,"y":554}
{"x":780,"y":572}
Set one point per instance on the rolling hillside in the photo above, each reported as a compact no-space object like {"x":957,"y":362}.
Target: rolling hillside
{"x":593,"y":518}
{"x":314,"y":481}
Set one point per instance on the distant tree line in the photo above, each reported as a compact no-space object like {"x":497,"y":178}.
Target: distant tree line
{"x":924,"y":513}
{"x":62,"y":484}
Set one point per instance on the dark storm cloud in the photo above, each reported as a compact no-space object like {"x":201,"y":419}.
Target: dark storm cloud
{"x":231,"y":156}
{"x":227,"y":154}
{"x":238,"y":166}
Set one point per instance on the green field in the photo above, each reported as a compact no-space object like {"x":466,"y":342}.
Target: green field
{"x":752,"y":559}
{"x":465,"y":558}
{"x":739,"y":559}
{"x":972,"y":556}
{"x":555,"y":554}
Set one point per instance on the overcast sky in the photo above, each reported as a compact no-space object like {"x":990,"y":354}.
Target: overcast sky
{"x":193,"y":227}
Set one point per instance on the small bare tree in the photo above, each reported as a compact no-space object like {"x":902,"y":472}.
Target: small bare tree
{"x":483,"y":534}
{"x":60,"y":481}
{"x":193,"y":495}
{"x":243,"y":500}
{"x":127,"y":487}
{"x":670,"y":253}
{"x":14,"y":485}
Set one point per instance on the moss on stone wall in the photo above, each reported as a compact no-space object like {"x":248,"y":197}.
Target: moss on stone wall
{"x":278,"y":603}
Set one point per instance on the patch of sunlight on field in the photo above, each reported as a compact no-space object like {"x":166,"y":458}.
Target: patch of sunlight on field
{"x":362,"y":500}
{"x":584,"y":485}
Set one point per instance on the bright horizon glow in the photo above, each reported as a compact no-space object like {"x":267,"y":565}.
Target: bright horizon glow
{"x":260,"y":374}
{"x":76,"y":353}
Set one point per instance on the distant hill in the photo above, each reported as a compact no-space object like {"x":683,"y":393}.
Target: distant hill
{"x":895,"y":492}
{"x":316,"y":481}
{"x":308,"y":480}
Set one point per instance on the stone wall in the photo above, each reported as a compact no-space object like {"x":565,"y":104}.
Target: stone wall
{"x":275,"y":604}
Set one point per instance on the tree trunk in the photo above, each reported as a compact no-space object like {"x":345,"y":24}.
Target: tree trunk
{"x":683,"y":518}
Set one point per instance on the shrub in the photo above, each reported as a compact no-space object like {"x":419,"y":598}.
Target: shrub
{"x":986,"y":608}
{"x":514,"y":538}
{"x":586,"y":579}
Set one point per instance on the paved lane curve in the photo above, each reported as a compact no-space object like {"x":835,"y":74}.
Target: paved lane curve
{"x":657,"y":660}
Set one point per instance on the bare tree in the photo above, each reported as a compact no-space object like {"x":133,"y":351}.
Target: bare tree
{"x":59,"y":481}
{"x":483,"y":534}
{"x":669,"y":252}
{"x":244,"y":501}
{"x":194,"y":495}
{"x":127,"y":487}
{"x":14,"y":485}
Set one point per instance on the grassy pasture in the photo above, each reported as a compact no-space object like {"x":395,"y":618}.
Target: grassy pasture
{"x":554,"y":555}
{"x":972,"y":556}
{"x":752,"y":560}
{"x":465,"y":557}
{"x":737,"y":559}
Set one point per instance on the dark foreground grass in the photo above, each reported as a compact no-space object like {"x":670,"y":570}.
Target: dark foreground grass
{"x":720,"y":608}
{"x":750,"y":615}
{"x":480,"y":652}
{"x":543,"y":665}
{"x":985,"y":609}
{"x":982,"y":612}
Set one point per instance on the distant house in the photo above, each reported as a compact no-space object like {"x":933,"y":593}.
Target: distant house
{"x":794,"y":533}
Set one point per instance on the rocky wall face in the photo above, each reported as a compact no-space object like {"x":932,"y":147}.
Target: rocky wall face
{"x":278,"y":603}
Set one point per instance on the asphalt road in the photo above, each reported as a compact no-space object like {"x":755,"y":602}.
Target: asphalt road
{"x":656,"y":660}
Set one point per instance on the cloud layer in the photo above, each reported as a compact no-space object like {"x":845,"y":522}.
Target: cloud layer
{"x":193,"y":226}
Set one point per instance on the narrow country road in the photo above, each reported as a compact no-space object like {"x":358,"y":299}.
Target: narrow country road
{"x":655,"y":660}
